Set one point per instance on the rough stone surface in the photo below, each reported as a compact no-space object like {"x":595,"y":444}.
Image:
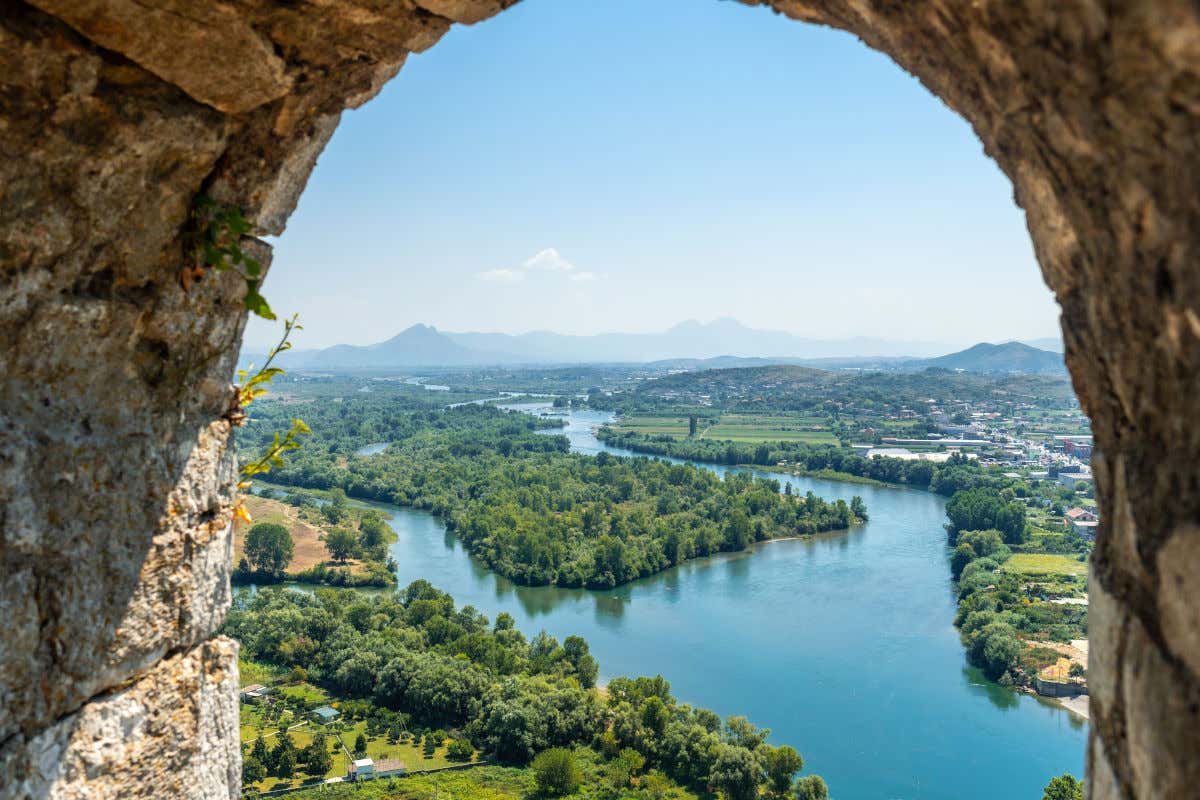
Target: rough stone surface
{"x":116,"y":478}
{"x":167,"y":734}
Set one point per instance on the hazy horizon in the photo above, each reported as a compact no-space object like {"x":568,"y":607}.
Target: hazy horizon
{"x":664,"y":328}
{"x":559,"y":169}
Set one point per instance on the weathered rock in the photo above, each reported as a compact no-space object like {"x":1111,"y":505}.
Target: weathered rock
{"x":209,"y":51}
{"x":170,"y":733}
{"x":116,"y":478}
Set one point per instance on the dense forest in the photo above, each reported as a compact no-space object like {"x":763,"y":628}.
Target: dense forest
{"x":528,"y":508}
{"x":412,"y":660}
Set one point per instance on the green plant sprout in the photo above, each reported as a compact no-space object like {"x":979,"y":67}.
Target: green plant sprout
{"x":216,"y":243}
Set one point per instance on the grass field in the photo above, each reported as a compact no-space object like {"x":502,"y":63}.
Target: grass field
{"x":741,"y":428}
{"x":407,"y":749}
{"x":308,"y":550}
{"x":1045,"y":564}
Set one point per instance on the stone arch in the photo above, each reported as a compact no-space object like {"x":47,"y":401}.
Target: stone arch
{"x":116,"y":472}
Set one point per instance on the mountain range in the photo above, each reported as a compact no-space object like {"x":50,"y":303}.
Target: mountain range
{"x":688,"y":345}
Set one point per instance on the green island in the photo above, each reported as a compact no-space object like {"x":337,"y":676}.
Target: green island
{"x":416,"y":684}
{"x":509,"y":489}
{"x":1019,"y":563}
{"x":531,"y":510}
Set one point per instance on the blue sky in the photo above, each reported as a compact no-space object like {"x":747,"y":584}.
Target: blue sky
{"x":628,"y":164}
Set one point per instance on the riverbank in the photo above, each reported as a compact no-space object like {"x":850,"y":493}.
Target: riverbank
{"x":862,"y":615}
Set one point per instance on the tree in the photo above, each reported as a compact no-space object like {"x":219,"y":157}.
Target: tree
{"x":582,"y":662}
{"x":736,"y":772}
{"x":316,"y":758}
{"x":253,"y":771}
{"x":285,"y":764}
{"x":1064,"y":787}
{"x":781,"y":764}
{"x":259,"y":751}
{"x":691,"y":426}
{"x":655,"y":715}
{"x":360,"y":745}
{"x":963,"y":555}
{"x":269,"y":547}
{"x":620,"y":770}
{"x":335,"y":510}
{"x":811,"y":787}
{"x":744,"y":733}
{"x":341,"y":543}
{"x":1000,"y":652}
{"x":372,"y":531}
{"x":283,"y":756}
{"x":983,"y":508}
{"x":556,"y":772}
{"x":459,"y":750}
{"x":858,"y":508}
{"x":985,"y":543}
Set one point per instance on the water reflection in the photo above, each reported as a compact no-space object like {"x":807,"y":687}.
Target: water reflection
{"x":843,"y":644}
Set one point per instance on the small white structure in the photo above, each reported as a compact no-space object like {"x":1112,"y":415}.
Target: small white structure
{"x":362,"y":769}
{"x":254,"y":693}
{"x":365,"y":769}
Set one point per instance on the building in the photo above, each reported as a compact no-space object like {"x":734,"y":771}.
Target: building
{"x":1069,"y":479}
{"x":254,"y":692}
{"x":365,"y":769}
{"x":1081,"y":450}
{"x":362,"y":769}
{"x":1083,"y":523}
{"x":326,"y":714}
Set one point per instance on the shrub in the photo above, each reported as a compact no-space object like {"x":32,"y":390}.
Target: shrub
{"x":556,"y":772}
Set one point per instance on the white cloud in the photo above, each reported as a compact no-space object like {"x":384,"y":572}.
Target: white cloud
{"x":549,"y":259}
{"x":502,"y":275}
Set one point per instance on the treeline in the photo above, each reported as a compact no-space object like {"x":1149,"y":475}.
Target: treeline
{"x":997,"y":610}
{"x":954,"y":474}
{"x":415,"y":654}
{"x":540,"y":515}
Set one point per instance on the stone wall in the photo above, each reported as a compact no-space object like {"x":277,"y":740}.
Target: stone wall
{"x":116,"y":476}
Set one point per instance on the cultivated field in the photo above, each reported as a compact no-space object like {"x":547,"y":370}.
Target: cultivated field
{"x":741,"y":428}
{"x":1045,"y":564}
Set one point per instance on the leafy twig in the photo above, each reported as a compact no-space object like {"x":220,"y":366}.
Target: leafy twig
{"x":216,"y":243}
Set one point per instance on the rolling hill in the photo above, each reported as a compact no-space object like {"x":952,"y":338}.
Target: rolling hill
{"x":1007,"y":357}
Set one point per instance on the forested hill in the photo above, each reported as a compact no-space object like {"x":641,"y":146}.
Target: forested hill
{"x":1007,"y":357}
{"x":528,"y":508}
{"x":797,"y":388}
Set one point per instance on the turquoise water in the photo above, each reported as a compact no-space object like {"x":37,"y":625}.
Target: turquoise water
{"x":843,"y":645}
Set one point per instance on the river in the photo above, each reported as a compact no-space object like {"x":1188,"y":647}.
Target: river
{"x":843,"y":645}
